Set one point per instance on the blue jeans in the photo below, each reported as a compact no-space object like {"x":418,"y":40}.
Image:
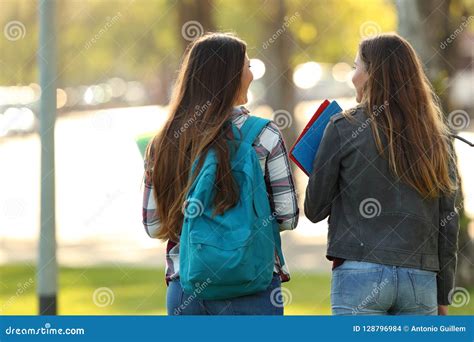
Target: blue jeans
{"x":266,"y":302}
{"x":365,"y":288}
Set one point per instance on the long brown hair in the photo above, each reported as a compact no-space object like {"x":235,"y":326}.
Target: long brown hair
{"x":207,"y":85}
{"x":402,"y":106}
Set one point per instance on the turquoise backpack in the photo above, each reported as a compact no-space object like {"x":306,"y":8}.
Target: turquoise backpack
{"x":232,"y":254}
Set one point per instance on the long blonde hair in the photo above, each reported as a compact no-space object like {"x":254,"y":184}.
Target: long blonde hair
{"x":207,"y":86}
{"x":402,"y":107}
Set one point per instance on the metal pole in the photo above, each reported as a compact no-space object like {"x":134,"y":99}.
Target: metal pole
{"x":47,"y":265}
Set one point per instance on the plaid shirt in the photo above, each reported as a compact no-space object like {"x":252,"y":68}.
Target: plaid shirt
{"x":273,"y":157}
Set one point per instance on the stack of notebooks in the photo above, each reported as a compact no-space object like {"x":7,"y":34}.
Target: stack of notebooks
{"x":306,"y":146}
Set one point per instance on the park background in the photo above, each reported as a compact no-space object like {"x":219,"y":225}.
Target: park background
{"x":116,"y":62}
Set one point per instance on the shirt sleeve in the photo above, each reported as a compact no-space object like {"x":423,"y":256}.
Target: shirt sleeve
{"x":323,"y":183}
{"x":150,"y":221}
{"x":281,"y":183}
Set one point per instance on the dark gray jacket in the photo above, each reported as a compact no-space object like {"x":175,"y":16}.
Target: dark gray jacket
{"x":374,"y":217}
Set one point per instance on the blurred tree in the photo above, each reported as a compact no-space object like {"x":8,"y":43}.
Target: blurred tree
{"x":329,"y":31}
{"x":276,"y":52}
{"x":194,"y":19}
{"x":128,"y":39}
{"x":137,"y":40}
{"x":18,"y":43}
{"x":426,"y":24}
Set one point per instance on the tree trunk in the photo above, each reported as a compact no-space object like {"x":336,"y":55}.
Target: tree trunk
{"x":276,"y":52}
{"x":194,"y":19}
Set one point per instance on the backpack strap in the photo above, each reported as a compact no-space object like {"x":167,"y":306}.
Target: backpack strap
{"x":252,"y":128}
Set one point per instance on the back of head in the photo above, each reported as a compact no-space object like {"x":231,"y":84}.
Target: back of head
{"x":404,"y":109}
{"x":207,"y":85}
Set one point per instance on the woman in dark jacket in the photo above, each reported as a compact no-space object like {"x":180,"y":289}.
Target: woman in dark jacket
{"x":385,"y":175}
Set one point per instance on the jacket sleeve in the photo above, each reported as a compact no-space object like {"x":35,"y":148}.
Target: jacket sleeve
{"x":323,"y":182}
{"x":447,"y":243}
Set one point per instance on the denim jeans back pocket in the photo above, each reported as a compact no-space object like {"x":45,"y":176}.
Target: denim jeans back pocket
{"x":424,"y":287}
{"x":356,"y":288}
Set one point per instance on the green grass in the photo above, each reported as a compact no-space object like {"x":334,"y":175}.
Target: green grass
{"x":135,"y":291}
{"x":141,"y":291}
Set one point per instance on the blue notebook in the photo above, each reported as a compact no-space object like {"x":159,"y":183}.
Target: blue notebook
{"x":306,"y":148}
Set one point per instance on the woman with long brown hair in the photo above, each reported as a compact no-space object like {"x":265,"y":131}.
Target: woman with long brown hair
{"x":203,"y":116}
{"x":385,"y":174}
